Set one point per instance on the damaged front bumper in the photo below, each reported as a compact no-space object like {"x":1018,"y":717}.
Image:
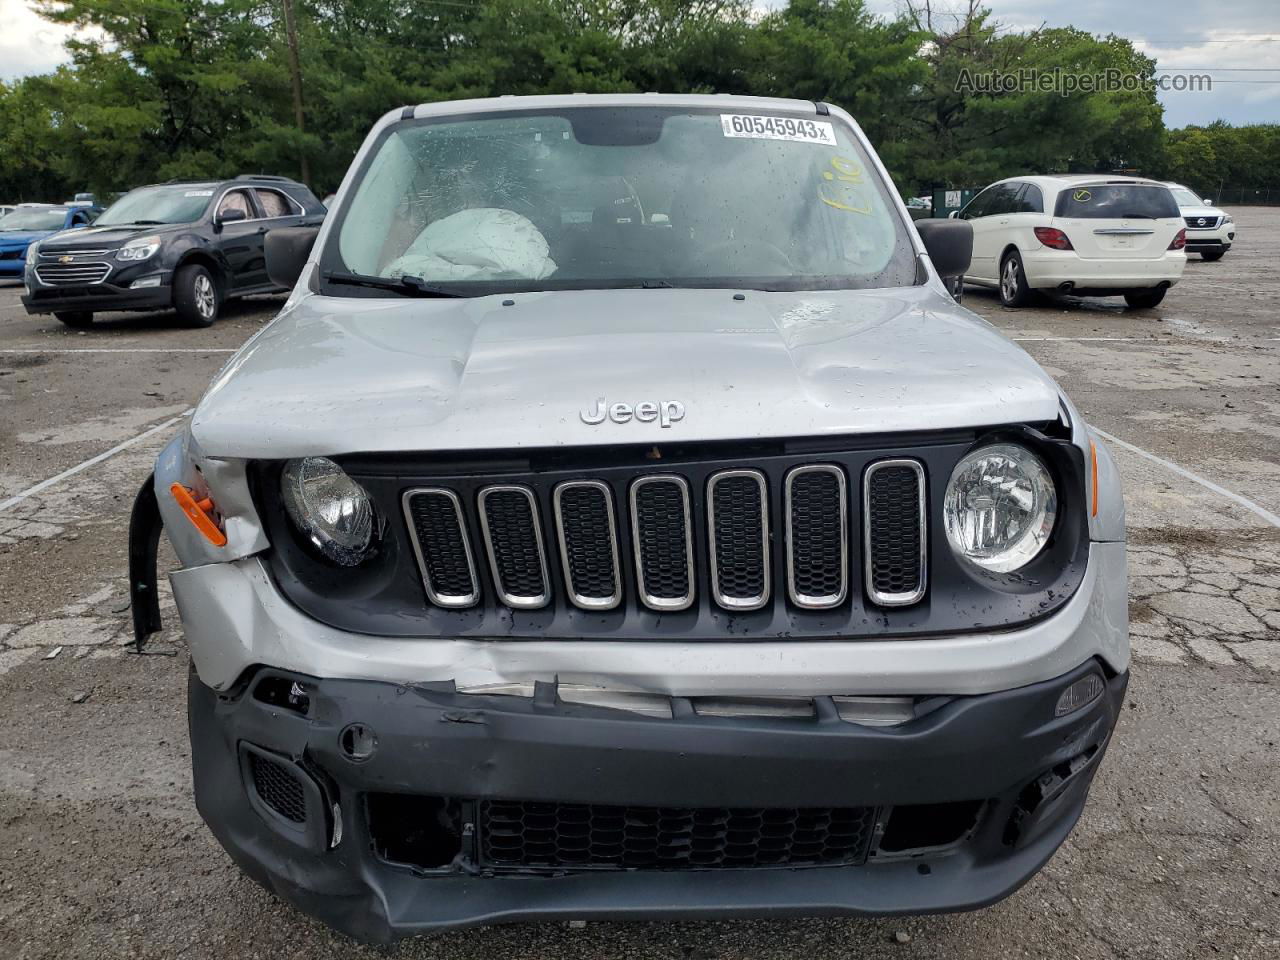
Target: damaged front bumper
{"x":388,"y":809}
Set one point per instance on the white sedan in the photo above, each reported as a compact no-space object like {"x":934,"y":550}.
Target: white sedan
{"x":1210,"y":231}
{"x":1082,"y":234}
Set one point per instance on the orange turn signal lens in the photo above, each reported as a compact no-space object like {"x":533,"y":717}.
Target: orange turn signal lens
{"x":199,"y":513}
{"x":1093,"y":456}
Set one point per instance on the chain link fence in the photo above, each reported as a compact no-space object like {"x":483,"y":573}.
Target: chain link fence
{"x":1243,"y":196}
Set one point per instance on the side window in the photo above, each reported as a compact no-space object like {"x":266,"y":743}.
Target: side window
{"x":236,"y":200}
{"x":1030,"y":200}
{"x":274,"y":204}
{"x":1002,"y":199}
{"x":978,"y":205}
{"x":79,"y":220}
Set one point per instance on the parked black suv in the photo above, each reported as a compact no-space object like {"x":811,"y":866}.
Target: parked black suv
{"x":189,"y":246}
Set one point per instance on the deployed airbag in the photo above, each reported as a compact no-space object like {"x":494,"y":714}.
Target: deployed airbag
{"x":482,"y":244}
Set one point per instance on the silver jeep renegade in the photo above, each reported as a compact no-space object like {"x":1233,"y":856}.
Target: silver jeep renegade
{"x":622,"y":520}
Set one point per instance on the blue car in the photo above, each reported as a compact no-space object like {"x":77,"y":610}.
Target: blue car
{"x":35,"y":221}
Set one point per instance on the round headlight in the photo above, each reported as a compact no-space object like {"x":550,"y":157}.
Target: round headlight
{"x":1000,"y":507}
{"x":329,"y":508}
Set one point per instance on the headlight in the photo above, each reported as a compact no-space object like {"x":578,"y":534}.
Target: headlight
{"x":138,"y":249}
{"x":329,"y":508}
{"x":1228,"y":219}
{"x":1000,"y":507}
{"x":32,"y":250}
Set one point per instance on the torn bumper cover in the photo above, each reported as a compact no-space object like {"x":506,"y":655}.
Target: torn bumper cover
{"x":387,"y":810}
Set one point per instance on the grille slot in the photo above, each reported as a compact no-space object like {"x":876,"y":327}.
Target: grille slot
{"x":738,"y":528}
{"x":1195,"y":223}
{"x":663,"y":538}
{"x":588,"y":536}
{"x":520,"y":834}
{"x":513,"y":539}
{"x":817,"y":536}
{"x":55,"y":274}
{"x":439,"y":537}
{"x":895,"y":521}
{"x":278,"y":788}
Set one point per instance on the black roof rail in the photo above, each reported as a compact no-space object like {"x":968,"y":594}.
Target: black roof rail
{"x":265,"y":176}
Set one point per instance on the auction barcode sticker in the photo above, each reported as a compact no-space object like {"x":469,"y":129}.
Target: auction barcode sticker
{"x":777,"y":128}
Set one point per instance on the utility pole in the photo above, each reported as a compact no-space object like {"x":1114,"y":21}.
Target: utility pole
{"x":295,"y":78}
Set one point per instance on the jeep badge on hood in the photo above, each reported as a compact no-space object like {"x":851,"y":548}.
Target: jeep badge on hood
{"x":666,"y":412}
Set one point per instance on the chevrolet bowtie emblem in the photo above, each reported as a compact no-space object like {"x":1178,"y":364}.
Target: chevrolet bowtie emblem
{"x":65,"y":259}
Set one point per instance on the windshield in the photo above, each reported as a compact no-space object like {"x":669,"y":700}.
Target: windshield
{"x":174,"y":203}
{"x":1116,"y":201}
{"x":1186,"y":198}
{"x":46,"y":218}
{"x":618,"y":197}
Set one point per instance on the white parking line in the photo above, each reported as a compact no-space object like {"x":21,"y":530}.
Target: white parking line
{"x":1087,"y":339}
{"x":92,"y":461}
{"x":125,"y":350}
{"x":1263,"y":512}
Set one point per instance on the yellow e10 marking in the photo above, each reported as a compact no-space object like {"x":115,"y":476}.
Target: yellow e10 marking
{"x":843,"y":182}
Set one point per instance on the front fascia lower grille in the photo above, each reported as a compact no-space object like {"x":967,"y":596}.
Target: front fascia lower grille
{"x":580,"y":836}
{"x":895,"y":511}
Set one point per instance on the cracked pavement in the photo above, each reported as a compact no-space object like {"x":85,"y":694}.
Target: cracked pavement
{"x":1178,"y":854}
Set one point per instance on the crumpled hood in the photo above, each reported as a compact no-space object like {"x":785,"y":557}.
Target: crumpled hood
{"x":339,"y":375}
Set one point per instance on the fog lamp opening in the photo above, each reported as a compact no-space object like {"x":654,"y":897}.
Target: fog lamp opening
{"x":1079,"y":695}
{"x":143,"y":282}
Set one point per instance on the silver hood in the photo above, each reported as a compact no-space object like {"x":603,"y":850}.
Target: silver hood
{"x":337,"y":375}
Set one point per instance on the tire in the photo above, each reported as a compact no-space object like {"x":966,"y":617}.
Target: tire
{"x":1145,"y":299}
{"x":1212,"y":255}
{"x":1014,"y":291}
{"x":195,"y":296}
{"x":77,"y":319}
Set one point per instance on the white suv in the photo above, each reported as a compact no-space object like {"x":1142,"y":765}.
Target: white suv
{"x":1083,"y":234}
{"x":1210,"y":231}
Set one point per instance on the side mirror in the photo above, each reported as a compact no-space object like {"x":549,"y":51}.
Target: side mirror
{"x":1208,"y":202}
{"x":953,"y":215}
{"x":949,"y":244}
{"x":287,"y":249}
{"x":231,"y":216}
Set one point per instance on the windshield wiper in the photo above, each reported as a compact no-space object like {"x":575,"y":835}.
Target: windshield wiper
{"x":405,"y":286}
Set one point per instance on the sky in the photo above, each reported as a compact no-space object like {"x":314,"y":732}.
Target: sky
{"x":1236,"y":42}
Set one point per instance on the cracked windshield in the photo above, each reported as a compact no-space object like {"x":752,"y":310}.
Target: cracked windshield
{"x":617,"y":198}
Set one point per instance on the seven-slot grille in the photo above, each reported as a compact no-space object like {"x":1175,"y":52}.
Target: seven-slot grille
{"x":521,"y":834}
{"x":588,"y":537}
{"x":61,"y":274}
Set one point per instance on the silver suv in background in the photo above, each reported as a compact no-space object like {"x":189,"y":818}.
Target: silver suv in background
{"x":622,"y":520}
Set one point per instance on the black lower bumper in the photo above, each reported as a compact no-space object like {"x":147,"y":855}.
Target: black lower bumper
{"x":1019,"y":774}
{"x":95,"y":298}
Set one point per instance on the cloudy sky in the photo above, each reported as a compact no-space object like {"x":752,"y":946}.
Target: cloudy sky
{"x":1237,"y":43}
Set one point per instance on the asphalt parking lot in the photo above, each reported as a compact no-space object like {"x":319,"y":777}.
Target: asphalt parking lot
{"x":1178,"y":855}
